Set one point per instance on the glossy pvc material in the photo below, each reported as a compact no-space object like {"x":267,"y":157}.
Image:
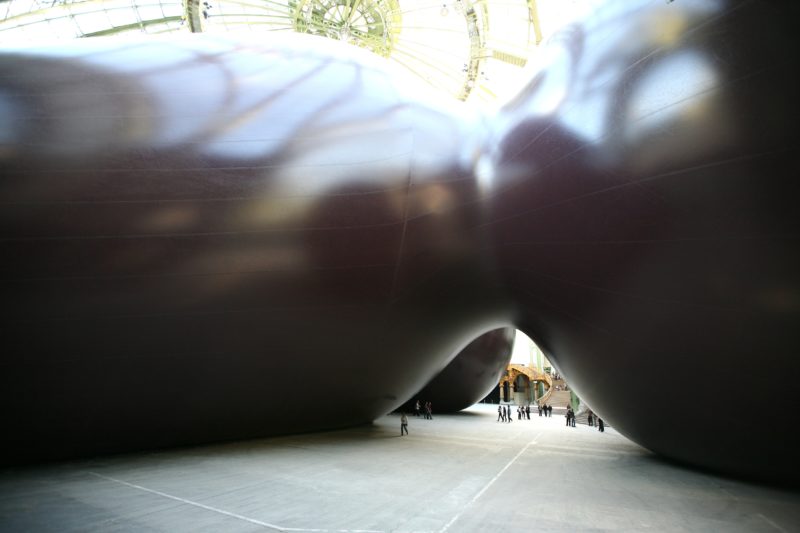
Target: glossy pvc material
{"x":644,"y":214}
{"x":211,"y":239}
{"x":470,"y":376}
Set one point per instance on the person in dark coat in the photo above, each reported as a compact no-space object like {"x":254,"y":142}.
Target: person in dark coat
{"x":600,"y":426}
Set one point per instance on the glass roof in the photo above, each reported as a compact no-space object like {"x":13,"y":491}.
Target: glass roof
{"x":471,"y":49}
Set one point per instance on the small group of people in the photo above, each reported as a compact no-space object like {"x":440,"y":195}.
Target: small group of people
{"x":503,"y":414}
{"x":424,"y":410}
{"x":591,"y":418}
{"x":570,"y":416}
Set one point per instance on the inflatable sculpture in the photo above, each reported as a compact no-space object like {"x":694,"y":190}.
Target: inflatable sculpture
{"x":213,"y":238}
{"x":470,"y":376}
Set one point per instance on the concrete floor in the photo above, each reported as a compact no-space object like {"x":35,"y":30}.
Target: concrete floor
{"x":457,"y":473}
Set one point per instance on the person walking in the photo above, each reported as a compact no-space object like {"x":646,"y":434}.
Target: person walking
{"x":416,"y":409}
{"x":600,"y":426}
{"x":590,"y":419}
{"x":540,"y":409}
{"x":403,"y":424}
{"x":499,"y":413}
{"x":528,"y":411}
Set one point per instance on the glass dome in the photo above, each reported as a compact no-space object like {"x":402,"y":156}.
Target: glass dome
{"x":470,"y":49}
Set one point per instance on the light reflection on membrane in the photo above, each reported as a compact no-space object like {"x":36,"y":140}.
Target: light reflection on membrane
{"x":671,"y":90}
